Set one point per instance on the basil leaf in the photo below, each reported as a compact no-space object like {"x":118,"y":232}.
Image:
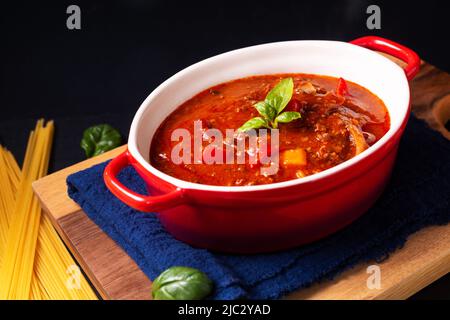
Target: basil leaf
{"x":280,"y":95}
{"x":288,"y":116}
{"x":265,"y":110}
{"x":99,"y":139}
{"x":181,"y":283}
{"x":253,"y":123}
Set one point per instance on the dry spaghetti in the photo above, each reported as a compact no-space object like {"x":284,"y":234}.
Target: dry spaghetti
{"x":33,"y":260}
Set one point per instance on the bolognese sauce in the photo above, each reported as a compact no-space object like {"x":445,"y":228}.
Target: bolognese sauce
{"x":338,"y":119}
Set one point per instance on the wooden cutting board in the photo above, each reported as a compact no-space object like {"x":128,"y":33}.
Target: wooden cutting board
{"x":424,"y":259}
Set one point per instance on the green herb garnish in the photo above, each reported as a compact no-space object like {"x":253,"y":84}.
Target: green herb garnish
{"x":271,"y":108}
{"x":99,"y":139}
{"x":181,"y":283}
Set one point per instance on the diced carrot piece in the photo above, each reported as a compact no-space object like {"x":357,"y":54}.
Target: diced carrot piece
{"x":294,"y":157}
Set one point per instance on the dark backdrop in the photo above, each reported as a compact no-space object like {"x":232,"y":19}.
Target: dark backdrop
{"x":125,"y":48}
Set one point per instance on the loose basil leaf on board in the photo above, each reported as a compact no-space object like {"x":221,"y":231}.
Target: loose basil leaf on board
{"x":253,"y":123}
{"x":181,"y":283}
{"x":281,"y":94}
{"x":99,"y":139}
{"x":288,"y":116}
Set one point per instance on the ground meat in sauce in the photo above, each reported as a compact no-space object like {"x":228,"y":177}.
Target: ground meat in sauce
{"x":332,"y":129}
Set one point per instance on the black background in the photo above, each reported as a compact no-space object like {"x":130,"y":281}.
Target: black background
{"x":125,"y":48}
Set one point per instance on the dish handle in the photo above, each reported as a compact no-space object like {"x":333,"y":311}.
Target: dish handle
{"x":397,"y":50}
{"x":137,"y":201}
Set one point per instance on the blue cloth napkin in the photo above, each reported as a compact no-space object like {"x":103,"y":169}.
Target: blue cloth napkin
{"x":417,"y":196}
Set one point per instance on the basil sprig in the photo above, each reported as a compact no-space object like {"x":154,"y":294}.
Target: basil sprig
{"x":271,"y":108}
{"x":181,"y":283}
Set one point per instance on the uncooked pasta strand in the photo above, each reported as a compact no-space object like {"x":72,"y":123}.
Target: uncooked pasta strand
{"x":40,"y":253}
{"x":18,"y":258}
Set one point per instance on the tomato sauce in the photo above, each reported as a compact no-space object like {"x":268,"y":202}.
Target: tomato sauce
{"x":339,"y":119}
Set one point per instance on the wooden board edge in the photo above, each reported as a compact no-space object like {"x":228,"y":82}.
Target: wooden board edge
{"x":408,"y":279}
{"x":77,"y":256}
{"x":45,"y":193}
{"x":76,"y":167}
{"x":417,"y":281}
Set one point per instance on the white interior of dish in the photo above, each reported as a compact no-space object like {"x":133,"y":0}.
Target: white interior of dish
{"x":339,"y":59}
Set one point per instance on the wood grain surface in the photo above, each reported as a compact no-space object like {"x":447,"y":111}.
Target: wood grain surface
{"x":424,"y":258}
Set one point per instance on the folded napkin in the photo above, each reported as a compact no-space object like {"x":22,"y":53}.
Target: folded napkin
{"x":417,"y":196}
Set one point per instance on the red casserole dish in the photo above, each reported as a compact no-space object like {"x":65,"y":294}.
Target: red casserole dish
{"x":263,"y":218}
